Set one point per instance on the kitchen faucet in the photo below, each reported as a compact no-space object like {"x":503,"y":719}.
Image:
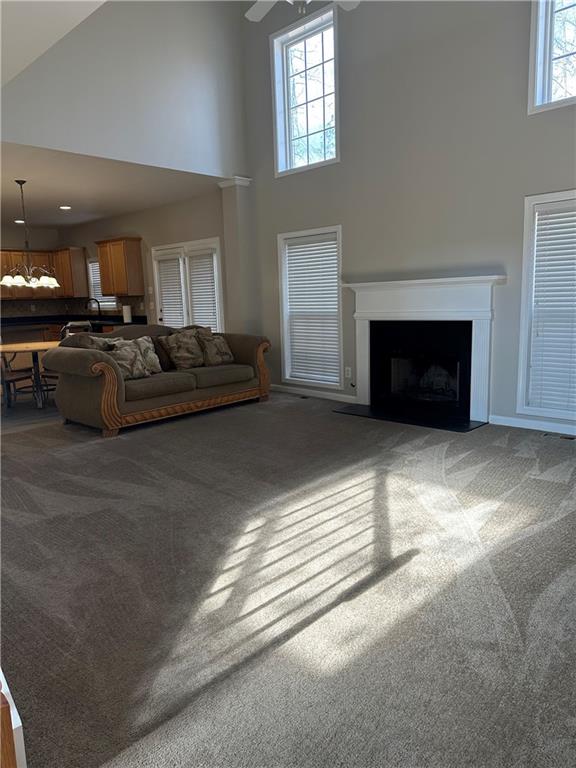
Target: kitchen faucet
{"x":90,"y":300}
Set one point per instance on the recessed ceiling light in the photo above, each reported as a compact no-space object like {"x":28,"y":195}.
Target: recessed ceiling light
{"x":65,"y":207}
{"x":19,"y":221}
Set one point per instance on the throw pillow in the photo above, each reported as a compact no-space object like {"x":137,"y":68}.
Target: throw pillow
{"x":162,"y":353}
{"x":184,"y":349}
{"x":130,"y":359}
{"x":215,"y":347}
{"x":149,"y":354}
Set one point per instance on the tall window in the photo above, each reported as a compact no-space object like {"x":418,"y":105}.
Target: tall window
{"x":311,"y":327}
{"x":188,"y":284}
{"x":553,"y":54}
{"x":106,"y":302}
{"x":305,"y":93}
{"x":547,"y":376}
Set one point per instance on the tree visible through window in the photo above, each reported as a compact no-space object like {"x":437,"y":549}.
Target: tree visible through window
{"x":305,"y":93}
{"x":554,"y":52}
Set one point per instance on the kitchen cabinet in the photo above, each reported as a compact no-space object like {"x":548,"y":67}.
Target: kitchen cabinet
{"x":121,"y":272}
{"x":69,"y":266}
{"x":71,"y":272}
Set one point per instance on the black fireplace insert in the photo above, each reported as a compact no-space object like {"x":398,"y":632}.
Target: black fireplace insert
{"x":420,"y":373}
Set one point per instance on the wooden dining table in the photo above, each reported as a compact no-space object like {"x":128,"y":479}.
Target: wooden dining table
{"x":33,"y":347}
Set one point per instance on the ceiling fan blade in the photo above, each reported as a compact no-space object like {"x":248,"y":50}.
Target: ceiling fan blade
{"x":348,"y":6}
{"x":259,"y":10}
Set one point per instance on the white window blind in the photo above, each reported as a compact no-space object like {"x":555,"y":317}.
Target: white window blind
{"x":188,"y":285}
{"x":203,"y":299}
{"x":551,"y":384}
{"x":311,"y":307}
{"x":106,"y":302}
{"x":170,"y":288}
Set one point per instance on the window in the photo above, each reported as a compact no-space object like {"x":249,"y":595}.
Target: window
{"x":305,"y":94}
{"x":553,"y":54}
{"x":188,"y":284}
{"x":310,"y":287}
{"x":106,"y":302}
{"x":547,"y":375}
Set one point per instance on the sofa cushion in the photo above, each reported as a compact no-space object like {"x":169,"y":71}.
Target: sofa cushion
{"x":145,"y":345}
{"x":130,"y":359}
{"x":184,"y":349}
{"x":162,"y":353}
{"x":167,"y":383}
{"x":216,"y":375}
{"x":215,"y":348}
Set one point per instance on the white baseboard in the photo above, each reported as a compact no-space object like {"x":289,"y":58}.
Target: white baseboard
{"x":322,"y":394}
{"x":544,"y":426}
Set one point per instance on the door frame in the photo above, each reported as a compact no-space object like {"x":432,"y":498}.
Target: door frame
{"x":182,"y":251}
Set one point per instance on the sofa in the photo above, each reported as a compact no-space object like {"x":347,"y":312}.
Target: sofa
{"x":92,"y":390}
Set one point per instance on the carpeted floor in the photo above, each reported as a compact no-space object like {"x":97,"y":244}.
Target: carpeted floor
{"x":278,"y":586}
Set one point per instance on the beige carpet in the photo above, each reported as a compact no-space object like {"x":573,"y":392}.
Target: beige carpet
{"x":279,"y":586}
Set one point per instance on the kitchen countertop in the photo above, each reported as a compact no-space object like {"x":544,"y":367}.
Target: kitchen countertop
{"x":30,"y":321}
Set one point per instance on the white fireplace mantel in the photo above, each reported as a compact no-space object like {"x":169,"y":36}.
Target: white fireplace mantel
{"x":449,"y":298}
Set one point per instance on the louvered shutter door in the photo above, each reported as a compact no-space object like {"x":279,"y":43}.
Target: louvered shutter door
{"x":106,"y":302}
{"x":312,"y":308}
{"x":172,"y":311}
{"x":202,"y":287}
{"x":552,"y":373}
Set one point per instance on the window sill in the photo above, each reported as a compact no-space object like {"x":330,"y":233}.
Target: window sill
{"x":315,"y":384}
{"x":534,"y":109}
{"x":312,"y":166}
{"x":526,"y":410}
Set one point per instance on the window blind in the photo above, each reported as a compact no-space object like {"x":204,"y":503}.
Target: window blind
{"x":552,"y":365}
{"x":312,"y":308}
{"x":203,"y":298}
{"x":172,"y":309}
{"x":106,"y":302}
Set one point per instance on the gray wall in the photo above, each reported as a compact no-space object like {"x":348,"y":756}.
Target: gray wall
{"x":193,"y":219}
{"x":157,"y":83}
{"x":437,"y":153}
{"x":40,"y":237}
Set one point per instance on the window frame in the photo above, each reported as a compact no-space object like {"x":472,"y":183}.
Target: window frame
{"x":278,"y":43}
{"x":104,"y":307}
{"x":182,"y":251}
{"x":531,"y":206}
{"x":283,"y":284}
{"x":540,"y":37}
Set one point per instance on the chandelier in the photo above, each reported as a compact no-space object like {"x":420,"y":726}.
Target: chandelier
{"x":27,"y":275}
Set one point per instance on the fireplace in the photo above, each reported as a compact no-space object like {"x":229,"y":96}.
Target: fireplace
{"x":440,"y":378}
{"x":420,"y":371}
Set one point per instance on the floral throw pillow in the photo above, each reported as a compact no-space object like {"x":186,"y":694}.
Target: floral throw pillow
{"x":215,"y":347}
{"x":184,"y":349}
{"x":128,"y":355}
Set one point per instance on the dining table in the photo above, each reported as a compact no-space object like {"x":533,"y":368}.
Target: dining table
{"x":34,"y":348}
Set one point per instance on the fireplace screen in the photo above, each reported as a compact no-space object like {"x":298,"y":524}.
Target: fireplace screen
{"x":425,"y":379}
{"x":420,"y":370}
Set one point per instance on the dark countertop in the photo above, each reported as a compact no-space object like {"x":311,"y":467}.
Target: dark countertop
{"x":45,"y":320}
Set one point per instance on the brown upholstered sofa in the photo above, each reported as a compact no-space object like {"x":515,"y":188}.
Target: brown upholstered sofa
{"x":92,"y":391}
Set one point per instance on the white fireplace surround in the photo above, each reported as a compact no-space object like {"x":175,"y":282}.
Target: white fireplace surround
{"x":450,"y":298}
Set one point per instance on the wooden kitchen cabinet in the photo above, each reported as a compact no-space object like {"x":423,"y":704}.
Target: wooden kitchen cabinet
{"x":71,"y":272}
{"x":69,"y":266}
{"x":121,"y":272}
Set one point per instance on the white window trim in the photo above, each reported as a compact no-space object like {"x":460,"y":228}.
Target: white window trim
{"x":540,"y":33}
{"x":282,"y":238}
{"x":531,"y":205}
{"x":188,"y":248}
{"x":277,"y":65}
